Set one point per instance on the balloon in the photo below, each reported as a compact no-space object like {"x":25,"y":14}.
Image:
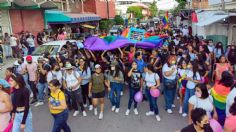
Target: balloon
{"x":155,"y":92}
{"x":138,"y":97}
{"x":215,"y":125}
{"x":202,"y":80}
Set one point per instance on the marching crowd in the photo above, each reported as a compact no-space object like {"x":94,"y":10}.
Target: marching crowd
{"x":200,"y":73}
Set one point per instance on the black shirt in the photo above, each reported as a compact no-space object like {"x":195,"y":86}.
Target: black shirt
{"x":189,"y":128}
{"x":43,"y":78}
{"x":21,"y":99}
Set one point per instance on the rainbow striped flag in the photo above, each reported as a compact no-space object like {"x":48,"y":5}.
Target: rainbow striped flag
{"x":219,"y":94}
{"x":165,"y":20}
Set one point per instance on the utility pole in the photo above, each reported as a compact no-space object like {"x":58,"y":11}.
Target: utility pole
{"x":222,"y":4}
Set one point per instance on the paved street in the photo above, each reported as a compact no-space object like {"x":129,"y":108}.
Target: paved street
{"x":112,"y":122}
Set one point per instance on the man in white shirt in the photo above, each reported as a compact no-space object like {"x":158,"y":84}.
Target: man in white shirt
{"x":13,"y":44}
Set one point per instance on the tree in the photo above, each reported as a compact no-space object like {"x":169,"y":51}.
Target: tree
{"x":105,"y":24}
{"x":136,"y":10}
{"x":118,"y":20}
{"x":153,"y":9}
{"x":181,"y":6}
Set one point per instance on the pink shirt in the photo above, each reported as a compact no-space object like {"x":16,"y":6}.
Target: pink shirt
{"x":230,"y":123}
{"x":32,"y":71}
{"x":130,"y":57}
{"x":61,"y":37}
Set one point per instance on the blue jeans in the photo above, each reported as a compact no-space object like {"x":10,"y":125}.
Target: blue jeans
{"x":31,"y":49}
{"x":188,"y":93}
{"x":152,"y":102}
{"x":60,"y":122}
{"x":169,"y":95}
{"x":18,"y":120}
{"x":26,"y":79}
{"x":114,"y":94}
{"x":41,"y":88}
{"x":132,"y":92}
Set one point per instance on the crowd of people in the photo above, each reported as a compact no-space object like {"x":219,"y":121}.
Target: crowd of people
{"x":199,"y":73}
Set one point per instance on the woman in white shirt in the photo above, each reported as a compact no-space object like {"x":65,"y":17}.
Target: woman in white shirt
{"x":203,"y":100}
{"x":193,"y":77}
{"x":71,"y":84}
{"x":169,"y":72}
{"x":152,"y":82}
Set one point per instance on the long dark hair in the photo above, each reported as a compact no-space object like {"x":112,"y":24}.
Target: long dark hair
{"x":85,"y":67}
{"x":226,"y":79}
{"x":117,"y":71}
{"x":195,"y":68}
{"x":218,"y":46}
{"x":232,"y":109}
{"x":19,"y":80}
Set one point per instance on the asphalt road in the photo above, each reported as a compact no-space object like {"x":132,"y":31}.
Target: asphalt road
{"x":112,"y":122}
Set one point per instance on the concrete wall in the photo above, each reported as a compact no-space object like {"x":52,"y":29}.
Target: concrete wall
{"x":27,"y":20}
{"x":5,"y":21}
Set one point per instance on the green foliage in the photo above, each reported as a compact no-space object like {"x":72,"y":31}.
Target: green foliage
{"x":153,"y":9}
{"x":106,"y":24}
{"x":118,"y":20}
{"x":136,"y":10}
{"x":182,"y":4}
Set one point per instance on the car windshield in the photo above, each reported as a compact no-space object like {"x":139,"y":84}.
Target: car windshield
{"x":52,"y":49}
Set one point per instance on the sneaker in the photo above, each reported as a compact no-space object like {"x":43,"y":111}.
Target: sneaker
{"x":31,"y":95}
{"x":121,"y":93}
{"x":100,"y":116}
{"x":177,"y":97}
{"x":117,"y":110}
{"x":169,"y":111}
{"x":33,"y":101}
{"x":113,"y":108}
{"x":184,"y":114}
{"x":150,"y":113}
{"x":173,"y":106}
{"x":76,"y":113}
{"x":90,"y":107}
{"x":95,"y":111}
{"x":85,"y":105}
{"x":135,"y":111}
{"x":180,"y":110}
{"x":84,"y":114}
{"x":38,"y":104}
{"x":158,"y":118}
{"x":127,"y":112}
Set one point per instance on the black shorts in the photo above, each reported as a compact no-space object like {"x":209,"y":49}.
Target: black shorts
{"x":98,"y":95}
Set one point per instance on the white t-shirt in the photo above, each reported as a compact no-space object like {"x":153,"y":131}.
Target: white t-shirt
{"x":190,"y":84}
{"x":166,"y":68}
{"x":183,"y":72}
{"x":206,"y":104}
{"x":230,"y":100}
{"x":72,"y":79}
{"x":151,"y":79}
{"x":30,"y":42}
{"x":54,"y":75}
{"x":13,"y":41}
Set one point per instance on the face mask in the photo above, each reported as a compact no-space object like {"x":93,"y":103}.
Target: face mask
{"x":188,"y":66}
{"x":198,"y":94}
{"x":180,"y":53}
{"x":58,"y":69}
{"x":112,"y":68}
{"x":29,"y":62}
{"x":173,"y":62}
{"x":165,"y":50}
{"x":206,"y":127}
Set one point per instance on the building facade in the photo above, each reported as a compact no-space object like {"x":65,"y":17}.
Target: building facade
{"x":199,"y":4}
{"x":217,"y":4}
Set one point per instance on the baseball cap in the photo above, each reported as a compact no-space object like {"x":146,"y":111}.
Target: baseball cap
{"x":97,"y":66}
{"x":29,"y":58}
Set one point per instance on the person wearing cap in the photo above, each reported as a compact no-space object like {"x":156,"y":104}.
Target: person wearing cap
{"x":71,"y":84}
{"x":5,"y":104}
{"x":31,"y":68}
{"x":97,"y":90}
{"x":43,"y":69}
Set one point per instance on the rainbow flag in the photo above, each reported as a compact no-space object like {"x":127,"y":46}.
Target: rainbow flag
{"x":165,"y":20}
{"x":219,"y":94}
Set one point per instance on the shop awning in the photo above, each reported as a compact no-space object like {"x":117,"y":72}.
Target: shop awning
{"x":211,"y":20}
{"x":4,"y":4}
{"x":53,"y":16}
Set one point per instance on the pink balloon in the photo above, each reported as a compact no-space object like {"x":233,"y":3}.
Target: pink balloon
{"x":138,"y":97}
{"x":155,"y":92}
{"x":215,"y":125}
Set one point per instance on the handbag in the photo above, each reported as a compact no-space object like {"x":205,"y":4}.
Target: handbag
{"x":9,"y":127}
